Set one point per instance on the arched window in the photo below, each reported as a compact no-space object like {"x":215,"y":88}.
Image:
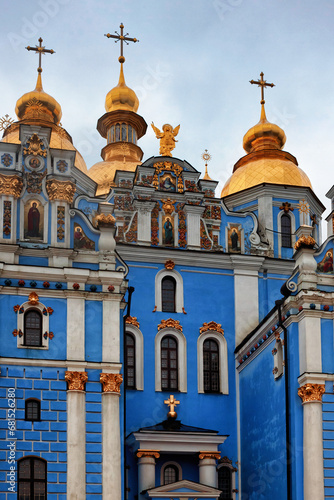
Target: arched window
{"x":168,"y":288}
{"x":32,"y":410}
{"x":171,"y":474}
{"x":286,"y":230}
{"x":31,"y":479}
{"x":211,"y":366}
{"x":33,"y":328}
{"x":225,"y":483}
{"x":130,"y":361}
{"x":169,"y":364}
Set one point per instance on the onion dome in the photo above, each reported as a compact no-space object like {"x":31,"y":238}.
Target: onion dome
{"x":265,"y":161}
{"x":121,"y":97}
{"x":38,"y":105}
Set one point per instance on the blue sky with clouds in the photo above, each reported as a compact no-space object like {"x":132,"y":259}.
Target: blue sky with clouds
{"x":192,"y":66}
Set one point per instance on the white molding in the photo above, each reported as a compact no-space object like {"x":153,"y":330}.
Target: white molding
{"x":184,"y":442}
{"x":45,"y":325}
{"x":223,"y":361}
{"x":181,"y":358}
{"x":139,"y":354}
{"x":178,"y":291}
{"x":162,"y":471}
{"x":73,"y":365}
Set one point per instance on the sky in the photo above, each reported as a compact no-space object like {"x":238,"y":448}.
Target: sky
{"x":191,"y":67}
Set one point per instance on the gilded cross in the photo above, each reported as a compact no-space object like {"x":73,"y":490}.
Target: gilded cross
{"x":262,"y":83}
{"x":171,"y":402}
{"x":122,"y":38}
{"x":40,"y":49}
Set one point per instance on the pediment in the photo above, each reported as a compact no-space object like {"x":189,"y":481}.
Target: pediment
{"x":184,"y":489}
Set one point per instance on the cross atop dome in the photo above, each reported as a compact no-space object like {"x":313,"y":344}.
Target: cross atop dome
{"x":262,"y":83}
{"x":122,"y":38}
{"x":40,"y":49}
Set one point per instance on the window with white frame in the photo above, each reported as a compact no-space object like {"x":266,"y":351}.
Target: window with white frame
{"x":169,"y":291}
{"x":134,"y":358}
{"x":212,"y":363}
{"x":170,"y":473}
{"x":170,"y":360}
{"x":33,"y":326}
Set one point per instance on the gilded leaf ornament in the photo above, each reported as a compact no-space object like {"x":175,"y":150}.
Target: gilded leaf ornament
{"x":111,"y":382}
{"x":34,"y":146}
{"x":211,"y":326}
{"x":33,"y":298}
{"x":76,"y":380}
{"x":170,"y":323}
{"x":215,"y":455}
{"x":169,"y":264}
{"x":60,"y":190}
{"x":11,"y":184}
{"x":310,"y":393}
{"x":148,"y":453}
{"x":305,"y":242}
{"x":132,"y":320}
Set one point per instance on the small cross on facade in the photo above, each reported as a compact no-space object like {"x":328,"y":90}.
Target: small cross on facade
{"x":171,"y":402}
{"x":262,"y":83}
{"x":122,"y":38}
{"x":39,"y":49}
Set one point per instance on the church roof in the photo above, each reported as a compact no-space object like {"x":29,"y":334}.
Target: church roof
{"x":175,"y":426}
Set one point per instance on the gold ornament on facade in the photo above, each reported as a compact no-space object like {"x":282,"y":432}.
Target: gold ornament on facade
{"x":168,"y":166}
{"x":206,"y":157}
{"x":148,"y":453}
{"x":167,"y":138}
{"x":60,"y":190}
{"x":286,"y":206}
{"x":167,"y":206}
{"x":76,"y":380}
{"x":169,"y":264}
{"x":303,"y":207}
{"x":211,"y":326}
{"x":132,"y":320}
{"x":105,"y":220}
{"x":5,"y":122}
{"x":171,"y":402}
{"x":170,"y":323}
{"x":34,"y":146}
{"x":11,"y":185}
{"x":311,"y":393}
{"x":34,"y":108}
{"x":215,"y":455}
{"x":33,"y":298}
{"x":305,"y":242}
{"x":111,"y":382}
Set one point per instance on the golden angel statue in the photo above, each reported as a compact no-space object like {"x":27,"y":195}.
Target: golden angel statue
{"x":167,"y":138}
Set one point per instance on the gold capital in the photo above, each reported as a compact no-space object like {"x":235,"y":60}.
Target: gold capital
{"x":76,"y":380}
{"x":60,"y":190}
{"x":11,"y":184}
{"x":310,"y":393}
{"x":111,"y":382}
{"x":209,"y":454}
{"x":148,"y":453}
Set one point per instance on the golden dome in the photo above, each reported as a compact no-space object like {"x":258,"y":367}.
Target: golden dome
{"x":103,"y":173}
{"x":59,"y":140}
{"x":37,"y":104}
{"x":121,"y":97}
{"x":265,"y":161}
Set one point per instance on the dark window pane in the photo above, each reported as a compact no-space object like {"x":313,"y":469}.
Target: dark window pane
{"x":286,"y":230}
{"x":169,"y":363}
{"x":210,"y":366}
{"x":171,"y":474}
{"x":225,"y":483}
{"x":33,"y":409}
{"x":130,"y":361}
{"x":32,"y":479}
{"x":33,"y":328}
{"x":168,"y":288}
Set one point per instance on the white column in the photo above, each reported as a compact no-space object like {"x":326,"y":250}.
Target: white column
{"x":76,"y":432}
{"x":110,"y":331}
{"x":310,"y":359}
{"x":207,"y":468}
{"x":111,"y":441}
{"x":311,"y":395}
{"x":76,"y":329}
{"x":146,"y":470}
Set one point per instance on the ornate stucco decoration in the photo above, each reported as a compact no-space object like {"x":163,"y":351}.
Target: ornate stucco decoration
{"x":33,"y":298}
{"x":105,"y":220}
{"x":60,"y":190}
{"x":310,"y":393}
{"x":148,"y":453}
{"x":305,"y":242}
{"x":286,"y":206}
{"x":169,"y":264}
{"x":76,"y":380}
{"x":111,"y":382}
{"x":11,"y":184}
{"x":215,"y":455}
{"x":34,"y":146}
{"x":132,"y":320}
{"x":212,"y":326}
{"x":5,"y":122}
{"x":168,"y":206}
{"x":168,"y":166}
{"x":303,"y":207}
{"x":170,"y":323}
{"x":167,"y":138}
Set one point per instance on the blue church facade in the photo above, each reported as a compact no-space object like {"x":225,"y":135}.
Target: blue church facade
{"x":159,"y":339}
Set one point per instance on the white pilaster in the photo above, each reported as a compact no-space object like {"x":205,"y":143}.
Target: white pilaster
{"x":76,"y":329}
{"x":310,"y":345}
{"x":265,"y":210}
{"x":246,"y":293}
{"x":194,"y":213}
{"x":144,"y":221}
{"x":110,"y":331}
